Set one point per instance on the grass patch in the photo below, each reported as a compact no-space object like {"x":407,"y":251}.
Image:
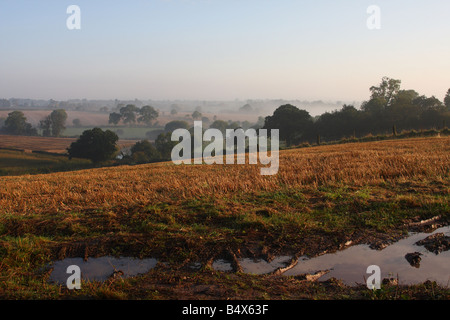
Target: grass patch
{"x":14,"y":163}
{"x":124,"y":132}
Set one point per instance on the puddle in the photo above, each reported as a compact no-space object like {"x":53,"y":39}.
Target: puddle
{"x":195,"y":266}
{"x":350,"y":265}
{"x":253,"y":266}
{"x":222,"y":265}
{"x":261,"y":266}
{"x":100,"y":269}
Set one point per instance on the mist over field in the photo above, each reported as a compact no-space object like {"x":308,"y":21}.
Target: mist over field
{"x":92,"y":114}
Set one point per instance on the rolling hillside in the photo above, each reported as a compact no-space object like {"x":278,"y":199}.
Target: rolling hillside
{"x":321,"y":198}
{"x":47,"y":144}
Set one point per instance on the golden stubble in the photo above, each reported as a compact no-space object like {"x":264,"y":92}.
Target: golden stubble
{"x":354,"y":164}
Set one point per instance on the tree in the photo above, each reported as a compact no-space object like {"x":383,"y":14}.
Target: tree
{"x":245,"y":124}
{"x":246,"y":108}
{"x":176,"y":124}
{"x":16,"y":124}
{"x":387,"y":90}
{"x":382,"y":97}
{"x":54,"y":123}
{"x":447,"y":99}
{"x":164,"y":145}
{"x":144,"y":151}
{"x":205,"y":120}
{"x":291,"y":122}
{"x":259,"y":124}
{"x":46,"y":126}
{"x":196,"y":115}
{"x":406,"y":96}
{"x":128,"y":113}
{"x":58,"y":120}
{"x":427,"y":102}
{"x":147,"y":114}
{"x":76,"y":123}
{"x":335,"y":125}
{"x":114,"y":118}
{"x":174,"y":109}
{"x":219,"y":124}
{"x":234,"y":124}
{"x":374,"y":106}
{"x":431,"y":118}
{"x":95,"y":144}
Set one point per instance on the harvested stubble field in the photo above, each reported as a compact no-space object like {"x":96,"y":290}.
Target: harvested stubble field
{"x":47,"y":144}
{"x":321,"y":198}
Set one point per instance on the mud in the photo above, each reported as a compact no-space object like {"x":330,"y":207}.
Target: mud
{"x":436,"y":243}
{"x":405,"y":261}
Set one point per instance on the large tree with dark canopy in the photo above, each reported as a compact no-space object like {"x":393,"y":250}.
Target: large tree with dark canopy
{"x":292,"y":122}
{"x":16,"y":124}
{"x":147,"y":114}
{"x":96,"y":145}
{"x":144,"y":151}
{"x":386,"y":90}
{"x":176,"y":124}
{"x":219,"y":124}
{"x":164,"y":145}
{"x":114,"y":118}
{"x":128,"y":113}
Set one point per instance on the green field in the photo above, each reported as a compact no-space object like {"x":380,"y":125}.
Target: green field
{"x":126,"y":133}
{"x":18,"y":163}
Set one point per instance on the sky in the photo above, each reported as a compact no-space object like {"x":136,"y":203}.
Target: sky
{"x":221,"y":49}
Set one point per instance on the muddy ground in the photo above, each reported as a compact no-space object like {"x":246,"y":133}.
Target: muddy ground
{"x":176,"y":280}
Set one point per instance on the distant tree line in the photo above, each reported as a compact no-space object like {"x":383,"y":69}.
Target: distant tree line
{"x":160,"y":150}
{"x":131,"y":114}
{"x":4,"y":103}
{"x":389,"y":109}
{"x":101,"y":146}
{"x":52,"y":126}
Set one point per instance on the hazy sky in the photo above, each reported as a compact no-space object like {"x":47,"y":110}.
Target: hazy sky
{"x":221,"y":49}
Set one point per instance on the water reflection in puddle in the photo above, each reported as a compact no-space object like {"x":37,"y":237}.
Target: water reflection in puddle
{"x":262,"y":266}
{"x":222,"y":265}
{"x":253,"y":266}
{"x":350,"y":265}
{"x":100,"y":269}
